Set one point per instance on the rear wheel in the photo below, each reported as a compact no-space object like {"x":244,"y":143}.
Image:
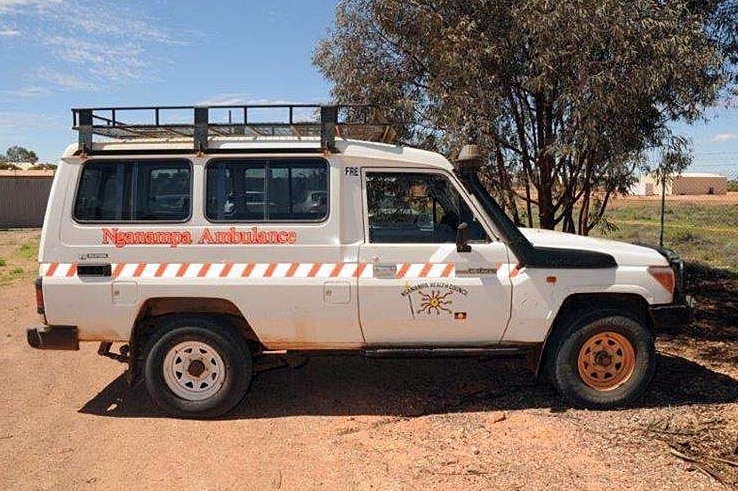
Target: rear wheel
{"x":197,"y":368}
{"x":604,"y":360}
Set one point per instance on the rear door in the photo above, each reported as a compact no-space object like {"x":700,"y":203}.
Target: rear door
{"x":113,"y":203}
{"x":418,"y":290}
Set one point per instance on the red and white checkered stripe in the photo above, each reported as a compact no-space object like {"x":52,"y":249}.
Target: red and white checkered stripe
{"x":254,"y":270}
{"x":57,"y":270}
{"x":425,"y":270}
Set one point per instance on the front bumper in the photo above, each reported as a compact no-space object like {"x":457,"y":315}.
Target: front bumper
{"x":667,"y":317}
{"x":53,"y":337}
{"x":679,"y":313}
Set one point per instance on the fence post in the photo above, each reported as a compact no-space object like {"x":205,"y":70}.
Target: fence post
{"x":663,"y":210}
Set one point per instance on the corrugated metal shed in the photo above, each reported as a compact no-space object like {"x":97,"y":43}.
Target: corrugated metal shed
{"x":23,"y":197}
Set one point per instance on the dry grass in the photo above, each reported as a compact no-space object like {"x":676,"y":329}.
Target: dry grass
{"x":701,"y":229}
{"x":18,"y":253}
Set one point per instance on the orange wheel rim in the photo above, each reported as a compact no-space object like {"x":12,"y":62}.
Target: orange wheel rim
{"x":606,"y":361}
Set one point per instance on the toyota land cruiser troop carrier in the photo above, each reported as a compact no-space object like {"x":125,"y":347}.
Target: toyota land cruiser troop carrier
{"x":205,"y":246}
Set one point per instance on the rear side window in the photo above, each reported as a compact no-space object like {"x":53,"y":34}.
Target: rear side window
{"x":134,"y":191}
{"x":267,"y":190}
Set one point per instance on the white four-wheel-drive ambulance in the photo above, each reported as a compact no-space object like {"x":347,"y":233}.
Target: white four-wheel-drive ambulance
{"x":204,"y":247}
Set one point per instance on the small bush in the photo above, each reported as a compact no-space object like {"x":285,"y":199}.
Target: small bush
{"x":42,"y":167}
{"x":28,"y":251}
{"x":684,"y":236}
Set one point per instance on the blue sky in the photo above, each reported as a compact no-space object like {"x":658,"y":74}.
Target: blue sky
{"x":59,"y":54}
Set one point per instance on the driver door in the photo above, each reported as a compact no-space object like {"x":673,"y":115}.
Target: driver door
{"x":421,"y":291}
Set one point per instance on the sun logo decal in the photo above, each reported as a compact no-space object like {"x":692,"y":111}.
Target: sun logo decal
{"x":435,"y":302}
{"x":440,"y":300}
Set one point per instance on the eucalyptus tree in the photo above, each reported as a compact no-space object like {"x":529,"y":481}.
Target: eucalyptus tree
{"x":17,"y":153}
{"x":566,"y":98}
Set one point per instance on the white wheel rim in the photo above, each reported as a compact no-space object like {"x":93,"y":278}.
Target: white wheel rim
{"x":194,"y":370}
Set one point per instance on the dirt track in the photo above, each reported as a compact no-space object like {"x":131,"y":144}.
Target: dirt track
{"x":70,"y":422}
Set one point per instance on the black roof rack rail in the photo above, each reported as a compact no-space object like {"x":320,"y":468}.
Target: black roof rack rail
{"x":199,"y":123}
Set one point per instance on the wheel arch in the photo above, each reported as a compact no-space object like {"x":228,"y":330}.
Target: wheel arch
{"x":154,"y":311}
{"x":580,"y":305}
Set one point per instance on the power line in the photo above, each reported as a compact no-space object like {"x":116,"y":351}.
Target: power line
{"x":728,"y":153}
{"x":716,"y":165}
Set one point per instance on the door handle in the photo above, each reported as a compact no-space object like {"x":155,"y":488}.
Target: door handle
{"x":104,"y":270}
{"x":385,"y":270}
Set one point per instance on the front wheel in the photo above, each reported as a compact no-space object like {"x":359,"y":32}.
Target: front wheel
{"x":197,"y":368}
{"x":603,"y":361}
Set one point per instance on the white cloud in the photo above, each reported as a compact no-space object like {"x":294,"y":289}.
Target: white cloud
{"x":89,"y":45}
{"x":27,"y":92}
{"x":724,"y":137}
{"x":239,"y":99}
{"x":110,"y":21}
{"x":226,"y":99}
{"x":107,"y":62}
{"x":15,"y":5}
{"x":268,"y":102}
{"x":258,"y":115}
{"x":23,"y":120}
{"x":65,"y":81}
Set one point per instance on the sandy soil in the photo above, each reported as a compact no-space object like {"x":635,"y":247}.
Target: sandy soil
{"x":69,"y":421}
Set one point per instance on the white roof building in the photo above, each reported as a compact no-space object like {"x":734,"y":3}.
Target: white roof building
{"x":687,"y":183}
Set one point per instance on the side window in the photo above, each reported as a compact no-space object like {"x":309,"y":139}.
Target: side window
{"x":259,"y":191}
{"x":166,"y":193}
{"x":416,"y":208}
{"x":134,"y":191}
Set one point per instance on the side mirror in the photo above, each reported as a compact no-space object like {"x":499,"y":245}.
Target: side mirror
{"x":462,"y":238}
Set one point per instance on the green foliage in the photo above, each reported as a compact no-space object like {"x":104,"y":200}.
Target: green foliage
{"x":20,"y":264}
{"x":733,"y":186}
{"x":28,"y":251}
{"x":17,"y":153}
{"x":674,"y":160}
{"x":567,"y":98}
{"x":682,"y":236}
{"x":8,"y":166}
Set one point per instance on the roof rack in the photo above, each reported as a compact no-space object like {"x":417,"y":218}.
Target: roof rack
{"x":262,"y":121}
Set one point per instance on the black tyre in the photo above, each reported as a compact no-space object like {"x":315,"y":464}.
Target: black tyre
{"x":196,"y":367}
{"x":603,"y":360}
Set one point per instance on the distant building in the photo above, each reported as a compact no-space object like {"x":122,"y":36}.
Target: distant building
{"x":689,"y":183}
{"x":23,"y":165}
{"x":23,"y":197}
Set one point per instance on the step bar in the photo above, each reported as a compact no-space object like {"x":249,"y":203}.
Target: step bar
{"x":498,"y":351}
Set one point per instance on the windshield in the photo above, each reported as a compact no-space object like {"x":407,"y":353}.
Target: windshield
{"x":525,"y":252}
{"x":522,"y":248}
